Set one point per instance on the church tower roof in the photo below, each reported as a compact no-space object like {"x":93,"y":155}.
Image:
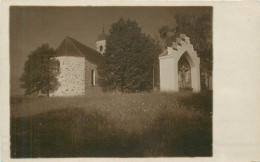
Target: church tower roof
{"x":102,"y":36}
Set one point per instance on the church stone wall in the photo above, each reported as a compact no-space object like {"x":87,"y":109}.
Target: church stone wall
{"x":72,"y":76}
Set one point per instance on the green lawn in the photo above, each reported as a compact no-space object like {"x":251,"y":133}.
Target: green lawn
{"x":113,"y":125}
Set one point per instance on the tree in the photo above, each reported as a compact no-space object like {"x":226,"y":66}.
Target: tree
{"x":40,"y":71}
{"x":199,"y":30}
{"x":130,"y":58}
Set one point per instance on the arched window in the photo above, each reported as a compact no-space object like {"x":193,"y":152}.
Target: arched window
{"x":101,"y":48}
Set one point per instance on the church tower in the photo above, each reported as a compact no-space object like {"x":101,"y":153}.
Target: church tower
{"x":101,"y":42}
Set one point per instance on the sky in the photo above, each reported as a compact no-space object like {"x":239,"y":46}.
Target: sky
{"x":30,"y":27}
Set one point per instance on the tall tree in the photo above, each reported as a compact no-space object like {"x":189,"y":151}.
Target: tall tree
{"x":40,"y":72}
{"x":130,"y":58}
{"x":199,"y":30}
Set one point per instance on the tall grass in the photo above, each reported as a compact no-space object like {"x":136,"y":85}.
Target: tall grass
{"x":113,"y":125}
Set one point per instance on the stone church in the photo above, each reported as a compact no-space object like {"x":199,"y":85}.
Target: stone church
{"x":78,"y":66}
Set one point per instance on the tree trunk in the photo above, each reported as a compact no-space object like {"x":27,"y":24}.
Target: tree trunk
{"x":208,"y":81}
{"x":48,"y":94}
{"x":153,"y":78}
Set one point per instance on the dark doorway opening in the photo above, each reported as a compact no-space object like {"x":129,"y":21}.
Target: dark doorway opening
{"x":184,"y":74}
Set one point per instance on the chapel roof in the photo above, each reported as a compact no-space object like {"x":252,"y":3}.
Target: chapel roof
{"x":72,"y":47}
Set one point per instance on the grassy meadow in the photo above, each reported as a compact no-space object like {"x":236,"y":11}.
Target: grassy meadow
{"x":113,"y":125}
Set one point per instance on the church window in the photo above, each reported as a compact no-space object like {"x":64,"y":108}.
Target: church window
{"x":101,"y":48}
{"x":93,"y":77}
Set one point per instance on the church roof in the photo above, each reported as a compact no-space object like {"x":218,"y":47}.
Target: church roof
{"x":72,"y":47}
{"x":102,"y":36}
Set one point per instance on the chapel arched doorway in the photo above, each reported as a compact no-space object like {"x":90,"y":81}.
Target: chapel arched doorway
{"x":184,"y":74}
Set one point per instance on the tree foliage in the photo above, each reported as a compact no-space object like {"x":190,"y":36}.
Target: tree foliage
{"x":199,"y":30}
{"x":129,"y":58}
{"x":40,"y":71}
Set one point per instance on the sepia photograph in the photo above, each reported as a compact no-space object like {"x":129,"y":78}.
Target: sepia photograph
{"x":111,"y":81}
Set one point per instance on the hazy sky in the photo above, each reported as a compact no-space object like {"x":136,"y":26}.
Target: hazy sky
{"x":30,"y":27}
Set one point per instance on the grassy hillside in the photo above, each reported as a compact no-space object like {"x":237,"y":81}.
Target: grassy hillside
{"x":112,"y":125}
